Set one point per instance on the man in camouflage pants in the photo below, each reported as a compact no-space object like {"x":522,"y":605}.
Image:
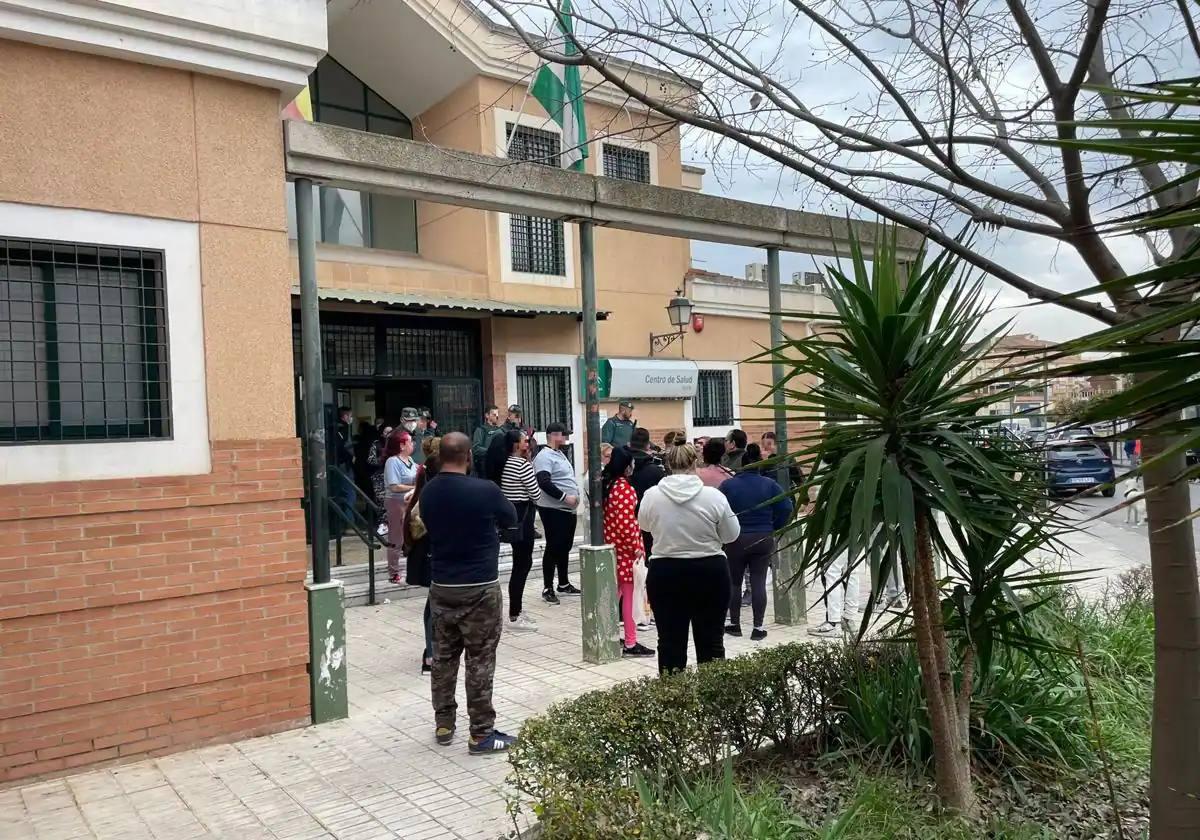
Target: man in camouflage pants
{"x":464,"y":516}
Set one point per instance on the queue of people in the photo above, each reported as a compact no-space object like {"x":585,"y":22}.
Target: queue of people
{"x":691,"y":523}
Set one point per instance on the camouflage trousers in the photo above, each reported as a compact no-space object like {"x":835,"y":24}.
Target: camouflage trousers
{"x":465,"y":619}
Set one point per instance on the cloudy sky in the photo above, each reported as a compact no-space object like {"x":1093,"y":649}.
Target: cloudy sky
{"x":1142,"y":36}
{"x":1039,"y":259}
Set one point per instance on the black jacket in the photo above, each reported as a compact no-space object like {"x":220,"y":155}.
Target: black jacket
{"x":647,"y":472}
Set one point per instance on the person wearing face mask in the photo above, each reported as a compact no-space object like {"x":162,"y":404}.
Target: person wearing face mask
{"x":622,"y":532}
{"x":410,"y":422}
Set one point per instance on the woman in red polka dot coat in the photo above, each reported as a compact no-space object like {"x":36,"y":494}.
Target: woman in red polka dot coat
{"x":621,"y":530}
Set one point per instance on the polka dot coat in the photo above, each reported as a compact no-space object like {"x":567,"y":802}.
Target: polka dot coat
{"x":621,"y":528}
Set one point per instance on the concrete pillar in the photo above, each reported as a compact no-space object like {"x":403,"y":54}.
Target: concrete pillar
{"x":601,"y":623}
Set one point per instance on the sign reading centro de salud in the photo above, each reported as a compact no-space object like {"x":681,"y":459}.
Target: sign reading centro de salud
{"x":647,"y":379}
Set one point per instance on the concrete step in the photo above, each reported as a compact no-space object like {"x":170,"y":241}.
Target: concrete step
{"x":355,"y":577}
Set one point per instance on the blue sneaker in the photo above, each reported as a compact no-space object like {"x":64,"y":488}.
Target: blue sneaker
{"x":493,"y":744}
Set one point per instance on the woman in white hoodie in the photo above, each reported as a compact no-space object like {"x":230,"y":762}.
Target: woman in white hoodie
{"x":688,"y":578}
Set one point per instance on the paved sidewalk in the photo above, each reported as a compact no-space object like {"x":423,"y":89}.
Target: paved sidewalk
{"x":378,"y":774}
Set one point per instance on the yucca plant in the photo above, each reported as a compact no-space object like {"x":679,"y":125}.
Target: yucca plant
{"x":897,"y":365}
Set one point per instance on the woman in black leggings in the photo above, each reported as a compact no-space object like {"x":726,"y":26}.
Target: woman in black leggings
{"x":688,"y":578}
{"x":762,"y":508}
{"x":508,"y":465}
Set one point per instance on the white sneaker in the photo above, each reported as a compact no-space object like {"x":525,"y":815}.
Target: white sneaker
{"x":825,"y":628}
{"x":523,"y":623}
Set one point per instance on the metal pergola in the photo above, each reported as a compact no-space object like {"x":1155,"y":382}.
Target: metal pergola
{"x":340,"y":157}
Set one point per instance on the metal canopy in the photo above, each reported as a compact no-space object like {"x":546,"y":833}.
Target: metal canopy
{"x":344,"y":157}
{"x":422,"y":302}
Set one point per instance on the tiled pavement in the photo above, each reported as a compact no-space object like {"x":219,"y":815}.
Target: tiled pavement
{"x":377,"y":774}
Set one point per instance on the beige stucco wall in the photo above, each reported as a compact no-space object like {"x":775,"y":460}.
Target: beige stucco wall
{"x":103,"y":134}
{"x":453,"y":235}
{"x":636,"y":274}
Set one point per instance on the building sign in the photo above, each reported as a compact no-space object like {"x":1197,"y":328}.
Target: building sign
{"x":647,"y":379}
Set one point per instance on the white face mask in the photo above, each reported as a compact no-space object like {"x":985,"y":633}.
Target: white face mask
{"x":410,"y":425}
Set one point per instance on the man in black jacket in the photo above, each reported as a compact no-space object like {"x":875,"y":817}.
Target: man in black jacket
{"x":647,"y":472}
{"x":464,"y":516}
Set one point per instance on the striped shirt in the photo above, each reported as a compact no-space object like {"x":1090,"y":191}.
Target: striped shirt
{"x":517,"y":482}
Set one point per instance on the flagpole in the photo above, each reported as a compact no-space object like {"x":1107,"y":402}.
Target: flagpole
{"x":520,"y":113}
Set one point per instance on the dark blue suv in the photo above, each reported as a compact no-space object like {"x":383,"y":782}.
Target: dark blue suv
{"x":1077,"y":465}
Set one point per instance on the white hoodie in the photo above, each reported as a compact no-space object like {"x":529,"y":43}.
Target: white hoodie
{"x":686,"y":518}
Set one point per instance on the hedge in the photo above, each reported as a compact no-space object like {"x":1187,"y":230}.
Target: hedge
{"x":580,"y":760}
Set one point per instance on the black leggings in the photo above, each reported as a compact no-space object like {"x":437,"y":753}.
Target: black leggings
{"x":560,"y":537}
{"x":689,"y":592}
{"x":522,"y":559}
{"x":750,"y":552}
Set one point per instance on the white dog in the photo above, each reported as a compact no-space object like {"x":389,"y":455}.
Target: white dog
{"x":1136,"y":512}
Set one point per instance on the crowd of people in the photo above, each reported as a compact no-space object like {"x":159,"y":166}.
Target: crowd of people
{"x":688,"y":523}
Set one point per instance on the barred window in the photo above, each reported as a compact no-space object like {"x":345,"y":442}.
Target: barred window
{"x":713,"y":404}
{"x":83,"y":343}
{"x":370,"y":349}
{"x":538,"y":244}
{"x":626,"y":163}
{"x":545,"y":395}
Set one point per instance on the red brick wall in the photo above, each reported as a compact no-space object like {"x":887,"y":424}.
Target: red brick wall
{"x":139,"y":616}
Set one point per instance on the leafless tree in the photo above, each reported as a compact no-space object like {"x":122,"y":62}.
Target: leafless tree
{"x":934,"y":114}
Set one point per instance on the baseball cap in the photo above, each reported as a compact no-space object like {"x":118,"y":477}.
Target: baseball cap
{"x":626,"y":404}
{"x":425,"y":412}
{"x":551,"y":428}
{"x":515,"y":409}
{"x":408,"y":414}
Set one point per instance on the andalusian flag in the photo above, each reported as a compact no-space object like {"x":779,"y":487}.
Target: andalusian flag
{"x":558,"y":88}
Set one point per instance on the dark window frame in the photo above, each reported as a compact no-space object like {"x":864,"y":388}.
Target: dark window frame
{"x":367,"y":113}
{"x":714,"y":385}
{"x":94,"y":323}
{"x":536,"y":245}
{"x":536,"y":386}
{"x":387,"y":347}
{"x":626,"y":163}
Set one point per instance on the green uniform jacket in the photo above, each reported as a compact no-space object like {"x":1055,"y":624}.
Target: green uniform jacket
{"x":617,"y":431}
{"x":480,"y":441}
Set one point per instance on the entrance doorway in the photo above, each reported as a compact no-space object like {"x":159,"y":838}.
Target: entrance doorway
{"x":379,"y":364}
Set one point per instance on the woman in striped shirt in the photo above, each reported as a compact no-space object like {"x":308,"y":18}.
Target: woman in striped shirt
{"x":508,"y":464}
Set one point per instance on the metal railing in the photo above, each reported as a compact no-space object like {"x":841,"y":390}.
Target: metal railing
{"x":363,"y":524}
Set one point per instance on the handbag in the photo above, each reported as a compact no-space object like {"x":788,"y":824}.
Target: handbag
{"x":415,"y":526}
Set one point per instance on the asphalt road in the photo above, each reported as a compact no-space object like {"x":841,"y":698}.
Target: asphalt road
{"x":1113,"y":529}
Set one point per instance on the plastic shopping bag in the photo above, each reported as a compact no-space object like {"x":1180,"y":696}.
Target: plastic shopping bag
{"x":641,"y":610}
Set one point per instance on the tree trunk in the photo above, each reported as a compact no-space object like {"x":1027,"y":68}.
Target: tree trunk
{"x":1175,"y":752}
{"x":951,"y":772}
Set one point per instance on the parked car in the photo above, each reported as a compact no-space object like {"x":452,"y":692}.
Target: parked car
{"x":1074,"y":465}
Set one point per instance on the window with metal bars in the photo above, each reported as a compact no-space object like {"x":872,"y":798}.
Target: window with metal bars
{"x":83,"y":343}
{"x":545,"y":395}
{"x":626,"y":163}
{"x":713,"y":403}
{"x":538,"y":244}
{"x":370,"y":349}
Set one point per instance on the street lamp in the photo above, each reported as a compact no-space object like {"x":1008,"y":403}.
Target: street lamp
{"x":679,"y":311}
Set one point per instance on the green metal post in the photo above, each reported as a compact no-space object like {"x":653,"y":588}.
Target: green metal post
{"x":326,"y":611}
{"x":598,"y":578}
{"x":328,"y":693}
{"x":313,"y":375}
{"x":790,"y":600}
{"x":591,"y":365}
{"x":598,"y":572}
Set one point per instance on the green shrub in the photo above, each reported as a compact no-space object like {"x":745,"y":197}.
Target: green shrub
{"x":583,"y":764}
{"x":1029,"y":717}
{"x":588,"y":747}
